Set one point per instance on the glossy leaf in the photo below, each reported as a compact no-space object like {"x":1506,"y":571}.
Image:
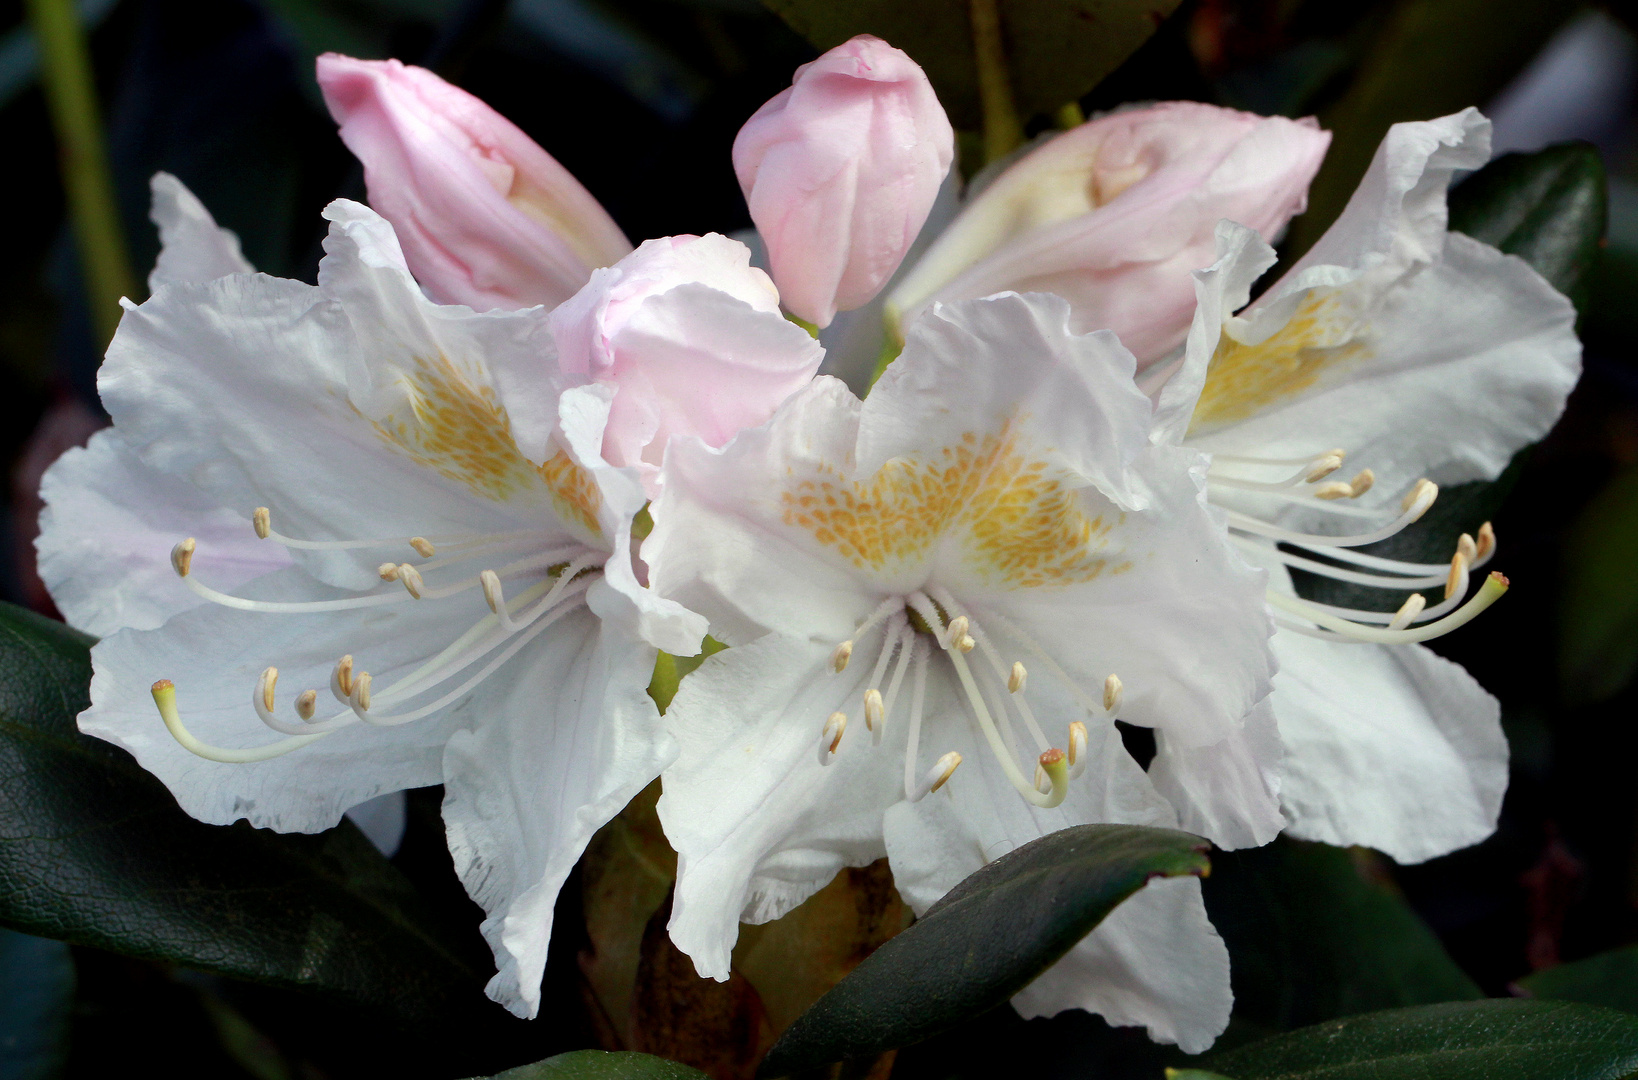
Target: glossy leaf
{"x":1598,"y":608}
{"x":601,"y":1065}
{"x":94,"y":851}
{"x":1057,"y":49}
{"x":1311,"y":937}
{"x":1550,"y":208}
{"x":984,"y":941}
{"x":1464,"y":1040}
{"x":1609,"y":979}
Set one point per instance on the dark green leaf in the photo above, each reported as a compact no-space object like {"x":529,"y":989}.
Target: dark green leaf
{"x":1312,"y":938}
{"x":1459,"y":1040}
{"x":602,"y":1065}
{"x":36,"y":994}
{"x":1598,"y":608}
{"x":1609,"y":979}
{"x":1057,"y":49}
{"x":984,"y":941}
{"x":1425,"y":60}
{"x":93,"y":850}
{"x":1549,"y":208}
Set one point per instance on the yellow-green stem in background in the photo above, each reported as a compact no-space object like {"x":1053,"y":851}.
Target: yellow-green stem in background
{"x":65,"y":66}
{"x":1069,"y":115}
{"x":1002,"y":131}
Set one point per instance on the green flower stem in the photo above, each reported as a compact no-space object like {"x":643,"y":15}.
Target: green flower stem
{"x":1002,"y":132}
{"x":66,"y":68}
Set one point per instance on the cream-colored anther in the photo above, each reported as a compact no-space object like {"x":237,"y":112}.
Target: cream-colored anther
{"x":182,"y":557}
{"x":269,"y":679}
{"x":1112,"y":689}
{"x":492,"y":594}
{"x":1419,"y":498}
{"x":1077,"y":749}
{"x":1016,"y":680}
{"x":341,"y":680}
{"x":967,"y":643}
{"x":1323,"y":466}
{"x":874,"y":710}
{"x":1353,"y":489}
{"x":360,"y":697}
{"x":423,"y":547}
{"x":956,"y":633}
{"x":388,"y":571}
{"x":262,"y":519}
{"x":831,"y":737}
{"x":1410,"y":609}
{"x":307,"y":704}
{"x":411,"y":577}
{"x":839,"y":658}
{"x":1456,"y":580}
{"x":1486,"y":543}
{"x":936,"y":777}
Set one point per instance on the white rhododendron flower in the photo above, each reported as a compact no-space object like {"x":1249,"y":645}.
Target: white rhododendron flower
{"x":446,"y":601}
{"x":981,"y":565}
{"x":1429,"y":358}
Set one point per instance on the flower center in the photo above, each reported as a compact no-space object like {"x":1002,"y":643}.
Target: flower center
{"x":1414,"y":620}
{"x":916,"y":624}
{"x":557,"y":577}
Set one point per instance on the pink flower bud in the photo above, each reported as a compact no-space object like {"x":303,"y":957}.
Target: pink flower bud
{"x":1116,"y":214}
{"x":840,"y":171}
{"x":691,"y":336}
{"x":485,"y":216}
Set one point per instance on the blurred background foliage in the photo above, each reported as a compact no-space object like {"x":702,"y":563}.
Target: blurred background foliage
{"x":641,"y":100}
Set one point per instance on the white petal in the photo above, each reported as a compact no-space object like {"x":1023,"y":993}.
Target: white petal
{"x":758,"y":823}
{"x":1155,"y":961}
{"x":970,"y":368}
{"x":214,"y":655}
{"x":244,"y":386}
{"x":1228,"y":792}
{"x":1175,"y":614}
{"x":720,"y":544}
{"x":106,"y":535}
{"x":1392,"y":747}
{"x":192,"y":246}
{"x":552,"y":748}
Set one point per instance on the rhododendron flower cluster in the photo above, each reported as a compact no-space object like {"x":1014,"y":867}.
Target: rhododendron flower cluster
{"x":433,"y":519}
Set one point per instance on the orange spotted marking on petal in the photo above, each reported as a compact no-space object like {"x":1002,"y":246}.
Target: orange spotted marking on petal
{"x":1017,"y":522}
{"x":1242,"y":380}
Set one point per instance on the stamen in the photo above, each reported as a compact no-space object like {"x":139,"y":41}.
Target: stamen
{"x":1243,"y":459}
{"x":1456,"y":583}
{"x":341,"y":680}
{"x":1466,"y":548}
{"x":1415,"y":504}
{"x":1486,"y":545}
{"x":918,"y":699}
{"x":411,"y":577}
{"x":831,"y":737}
{"x":1077,"y":749}
{"x":905,"y":642}
{"x":1016,"y":680}
{"x":873,"y":710}
{"x":262,"y":521}
{"x":264,"y":687}
{"x":1324,"y":466}
{"x":307,"y":704}
{"x":934,"y":778}
{"x":986,"y":723}
{"x":1491,"y":591}
{"x":165,"y":698}
{"x":839,"y":658}
{"x":1423,"y":580}
{"x":422,"y":547}
{"x":1408,"y":611}
{"x":182,"y":557}
{"x":956,"y":633}
{"x":387,"y":571}
{"x":1353,"y":489}
{"x":359,"y":699}
{"x":1112,"y":691}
